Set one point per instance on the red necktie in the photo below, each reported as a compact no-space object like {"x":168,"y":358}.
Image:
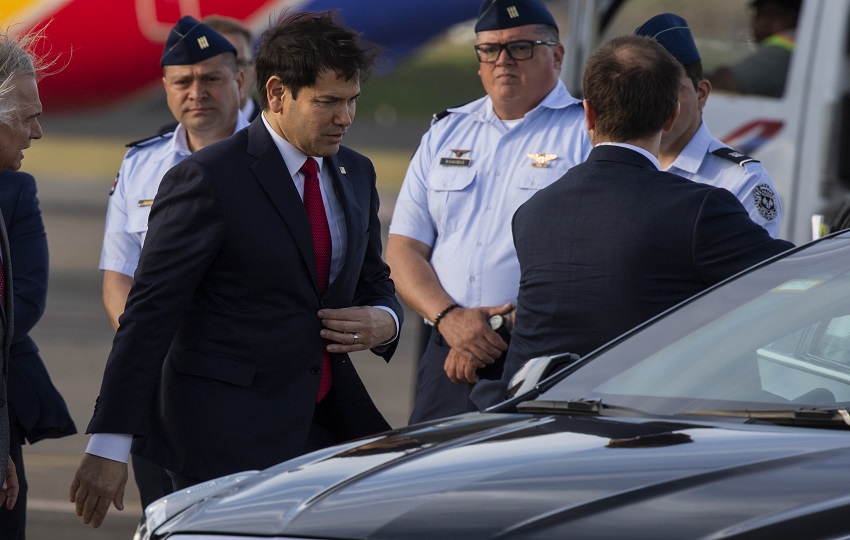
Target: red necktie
{"x":322,"y":249}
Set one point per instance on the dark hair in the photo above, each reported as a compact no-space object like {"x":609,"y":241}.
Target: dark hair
{"x":695,"y":73}
{"x":303,"y":45}
{"x":632,"y":83}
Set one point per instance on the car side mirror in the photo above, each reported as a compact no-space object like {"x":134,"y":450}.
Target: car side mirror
{"x":535,"y":370}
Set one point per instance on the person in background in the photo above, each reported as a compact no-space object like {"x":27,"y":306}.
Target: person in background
{"x":37,"y":410}
{"x":203,"y":86}
{"x":240,"y":37}
{"x":616,"y":240}
{"x":764,"y":72}
{"x":260,"y":273}
{"x":689,"y":149}
{"x":449,"y":247}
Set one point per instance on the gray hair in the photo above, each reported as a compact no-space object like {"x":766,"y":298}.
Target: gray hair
{"x":17,"y":58}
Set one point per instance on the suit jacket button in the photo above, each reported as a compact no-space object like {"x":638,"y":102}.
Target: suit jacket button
{"x":315,"y":370}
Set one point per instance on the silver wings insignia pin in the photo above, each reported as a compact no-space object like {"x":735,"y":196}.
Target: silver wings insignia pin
{"x":542,"y":159}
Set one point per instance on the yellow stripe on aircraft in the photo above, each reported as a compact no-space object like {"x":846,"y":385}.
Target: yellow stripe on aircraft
{"x":22,"y":14}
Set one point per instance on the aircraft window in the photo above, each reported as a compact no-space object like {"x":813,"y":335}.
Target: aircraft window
{"x":725,"y":33}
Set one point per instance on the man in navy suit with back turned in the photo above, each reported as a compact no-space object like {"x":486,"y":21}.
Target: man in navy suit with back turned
{"x":616,"y":240}
{"x":263,"y":254}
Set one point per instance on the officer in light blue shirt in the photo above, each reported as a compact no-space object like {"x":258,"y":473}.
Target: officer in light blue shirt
{"x":203,"y":86}
{"x":450,"y":246}
{"x":689,"y":149}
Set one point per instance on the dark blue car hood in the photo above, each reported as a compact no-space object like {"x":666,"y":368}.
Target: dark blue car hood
{"x":523,"y":476}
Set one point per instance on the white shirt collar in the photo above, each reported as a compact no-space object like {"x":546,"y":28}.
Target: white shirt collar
{"x":292,"y":157}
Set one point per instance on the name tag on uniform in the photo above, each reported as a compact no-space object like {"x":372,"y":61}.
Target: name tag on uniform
{"x":457,"y":161}
{"x":145,"y":202}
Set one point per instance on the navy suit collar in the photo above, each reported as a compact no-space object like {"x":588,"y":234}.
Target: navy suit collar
{"x":272,"y":174}
{"x":620,"y":154}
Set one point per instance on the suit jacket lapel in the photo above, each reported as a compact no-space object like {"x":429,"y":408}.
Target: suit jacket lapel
{"x":344,"y":190}
{"x":273,"y":176}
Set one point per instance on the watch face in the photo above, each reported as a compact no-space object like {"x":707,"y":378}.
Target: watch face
{"x":496,"y":322}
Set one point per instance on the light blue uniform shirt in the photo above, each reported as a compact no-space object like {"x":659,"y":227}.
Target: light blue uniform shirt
{"x":749,"y":182}
{"x":133,"y":193}
{"x":464,"y":212}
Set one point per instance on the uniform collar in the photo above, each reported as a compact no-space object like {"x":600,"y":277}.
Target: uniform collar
{"x":691,"y":156}
{"x":180,"y":143}
{"x":482,"y":109}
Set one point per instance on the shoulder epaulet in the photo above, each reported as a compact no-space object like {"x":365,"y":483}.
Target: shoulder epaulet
{"x":734,"y":156}
{"x":444,"y":113}
{"x":440,"y":115}
{"x":148,"y":140}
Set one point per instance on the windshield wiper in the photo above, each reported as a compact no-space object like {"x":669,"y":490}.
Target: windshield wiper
{"x":805,"y":416}
{"x":577,"y":406}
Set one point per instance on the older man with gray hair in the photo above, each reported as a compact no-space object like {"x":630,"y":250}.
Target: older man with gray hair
{"x":20,"y":108}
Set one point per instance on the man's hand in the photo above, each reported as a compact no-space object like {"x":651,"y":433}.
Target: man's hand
{"x":461,"y":368}
{"x":9,"y":491}
{"x":468,"y":330}
{"x":98,"y":482}
{"x":356,"y":328}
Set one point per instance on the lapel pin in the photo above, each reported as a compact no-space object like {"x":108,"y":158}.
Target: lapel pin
{"x":342,"y":170}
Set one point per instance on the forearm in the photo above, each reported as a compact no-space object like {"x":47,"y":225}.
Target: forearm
{"x":116,"y":288}
{"x":416,"y":282}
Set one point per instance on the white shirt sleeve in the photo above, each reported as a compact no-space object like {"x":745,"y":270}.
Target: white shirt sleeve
{"x":114,"y":446}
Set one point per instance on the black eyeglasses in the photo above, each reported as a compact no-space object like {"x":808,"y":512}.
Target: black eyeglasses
{"x":518,"y":50}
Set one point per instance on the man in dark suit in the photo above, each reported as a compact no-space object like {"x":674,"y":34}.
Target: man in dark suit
{"x":616,"y":241}
{"x":36,"y":409}
{"x":20,"y":108}
{"x":219,"y":362}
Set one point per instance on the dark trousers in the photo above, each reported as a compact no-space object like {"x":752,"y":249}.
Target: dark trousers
{"x":13,"y":522}
{"x":436,"y":395}
{"x":321,"y":436}
{"x":152,"y":480}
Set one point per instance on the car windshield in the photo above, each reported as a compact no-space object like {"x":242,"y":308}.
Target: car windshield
{"x":777,"y":338}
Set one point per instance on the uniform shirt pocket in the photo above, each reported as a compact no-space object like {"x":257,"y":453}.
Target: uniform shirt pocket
{"x":536,"y":178}
{"x":450,"y":197}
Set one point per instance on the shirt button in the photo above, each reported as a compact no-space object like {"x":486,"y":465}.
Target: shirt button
{"x":471,"y":278}
{"x":315,"y":370}
{"x":498,"y":173}
{"x":478,"y":244}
